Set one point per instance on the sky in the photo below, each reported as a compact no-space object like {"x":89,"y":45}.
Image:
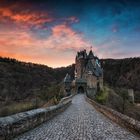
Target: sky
{"x":50,"y":32}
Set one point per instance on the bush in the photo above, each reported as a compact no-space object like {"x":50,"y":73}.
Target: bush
{"x":102,"y":96}
{"x":52,"y":92}
{"x":16,"y":108}
{"x":123,"y":93}
{"x":55,"y":101}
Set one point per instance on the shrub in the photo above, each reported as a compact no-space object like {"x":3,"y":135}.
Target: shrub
{"x":55,"y":100}
{"x":102,"y":96}
{"x":52,"y":92}
{"x":16,"y":108}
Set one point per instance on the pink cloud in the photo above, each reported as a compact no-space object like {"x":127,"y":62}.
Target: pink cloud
{"x":30,"y":18}
{"x":113,"y":48}
{"x":58,"y":49}
{"x":66,"y":37}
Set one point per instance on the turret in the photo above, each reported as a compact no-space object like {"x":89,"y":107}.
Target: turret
{"x":90,"y":55}
{"x":67,"y":78}
{"x":67,"y":84}
{"x":81,"y":54}
{"x":92,"y":58}
{"x":80,"y":62}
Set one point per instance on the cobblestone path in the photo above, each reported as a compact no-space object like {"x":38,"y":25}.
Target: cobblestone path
{"x":80,"y":121}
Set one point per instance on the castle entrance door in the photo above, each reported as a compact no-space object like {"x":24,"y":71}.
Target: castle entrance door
{"x":80,"y":89}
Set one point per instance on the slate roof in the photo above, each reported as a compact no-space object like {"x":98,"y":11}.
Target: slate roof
{"x":91,"y":55}
{"x":97,"y":71}
{"x":67,"y":78}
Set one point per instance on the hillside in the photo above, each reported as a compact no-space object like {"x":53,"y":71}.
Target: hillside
{"x":122,"y":72}
{"x":24,"y":86}
{"x":20,"y":80}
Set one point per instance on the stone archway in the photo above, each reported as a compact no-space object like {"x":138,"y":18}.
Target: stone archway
{"x":98,"y":87}
{"x":80,"y":89}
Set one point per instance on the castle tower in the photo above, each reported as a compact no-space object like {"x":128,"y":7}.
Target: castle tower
{"x":67,"y":84}
{"x":91,"y":55}
{"x":92,"y":58}
{"x":88,"y":75}
{"x":80,"y":63}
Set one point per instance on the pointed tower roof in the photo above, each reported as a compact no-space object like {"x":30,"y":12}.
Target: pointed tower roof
{"x":90,"y":55}
{"x":67,"y":78}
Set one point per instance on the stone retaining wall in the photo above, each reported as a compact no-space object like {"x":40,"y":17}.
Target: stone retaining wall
{"x":129,"y":123}
{"x":16,"y":124}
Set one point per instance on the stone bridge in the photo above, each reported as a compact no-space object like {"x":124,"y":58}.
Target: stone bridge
{"x":80,"y":121}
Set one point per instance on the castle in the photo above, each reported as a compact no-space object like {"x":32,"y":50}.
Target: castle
{"x":88,"y":75}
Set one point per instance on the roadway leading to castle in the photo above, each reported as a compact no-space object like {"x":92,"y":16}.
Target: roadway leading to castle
{"x":80,"y":121}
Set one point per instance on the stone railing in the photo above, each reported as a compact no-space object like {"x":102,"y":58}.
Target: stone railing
{"x":123,"y":120}
{"x":16,"y":124}
{"x":65,"y":99}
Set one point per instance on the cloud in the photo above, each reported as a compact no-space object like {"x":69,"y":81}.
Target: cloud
{"x":116,"y":47}
{"x":58,"y":49}
{"x":63,"y":37}
{"x":70,"y":20}
{"x":26,"y":17}
{"x":31,"y":16}
{"x":73,"y":19}
{"x":51,"y":33}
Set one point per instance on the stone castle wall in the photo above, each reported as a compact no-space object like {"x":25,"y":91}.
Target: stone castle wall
{"x":87,"y":68}
{"x":91,"y":81}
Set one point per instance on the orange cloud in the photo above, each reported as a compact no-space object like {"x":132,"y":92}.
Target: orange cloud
{"x":61,"y":30}
{"x":32,"y":18}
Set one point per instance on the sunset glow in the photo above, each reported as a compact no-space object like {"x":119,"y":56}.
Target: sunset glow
{"x":51,"y":34}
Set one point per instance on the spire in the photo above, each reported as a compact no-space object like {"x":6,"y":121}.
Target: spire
{"x":91,"y":55}
{"x":90,"y":47}
{"x":67,"y":78}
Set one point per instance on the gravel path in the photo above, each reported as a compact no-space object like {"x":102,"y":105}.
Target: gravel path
{"x":79,"y":122}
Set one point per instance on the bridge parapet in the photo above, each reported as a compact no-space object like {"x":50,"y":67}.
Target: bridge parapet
{"x":123,"y":120}
{"x":16,"y":124}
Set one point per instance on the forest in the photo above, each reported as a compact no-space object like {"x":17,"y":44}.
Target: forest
{"x":24,"y":86}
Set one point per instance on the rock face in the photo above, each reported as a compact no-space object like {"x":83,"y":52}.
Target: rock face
{"x":13,"y":125}
{"x":79,"y":122}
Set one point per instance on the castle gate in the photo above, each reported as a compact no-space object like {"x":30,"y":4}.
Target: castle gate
{"x":80,"y":85}
{"x":80,"y":89}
